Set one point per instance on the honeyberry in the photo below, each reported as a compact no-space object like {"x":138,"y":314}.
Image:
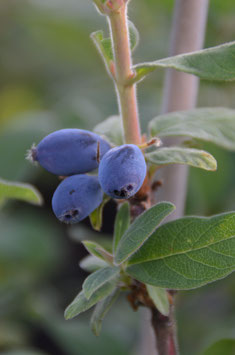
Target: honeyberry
{"x":76,"y":197}
{"x":122,"y":171}
{"x":69,"y":151}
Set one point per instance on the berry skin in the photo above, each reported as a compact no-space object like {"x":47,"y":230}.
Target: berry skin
{"x":69,"y":151}
{"x":122,"y":171}
{"x":76,"y":197}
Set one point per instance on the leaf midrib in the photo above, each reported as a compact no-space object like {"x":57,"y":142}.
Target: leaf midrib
{"x":179,"y":253}
{"x":143,"y":241}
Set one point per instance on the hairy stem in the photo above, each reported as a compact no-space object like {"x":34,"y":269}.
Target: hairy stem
{"x":180,"y":93}
{"x":123,"y":63}
{"x":165,"y":332}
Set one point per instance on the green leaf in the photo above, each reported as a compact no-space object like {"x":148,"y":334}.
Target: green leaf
{"x":19,"y":191}
{"x":96,"y":280}
{"x":96,"y":217}
{"x":216,"y":125}
{"x":133,"y":35}
{"x":177,"y":155}
{"x":111,"y":129}
{"x":100,"y":311}
{"x":216,"y":63}
{"x":141,"y":229}
{"x":187,"y":253}
{"x":223,"y":346}
{"x":160,"y":299}
{"x":122,"y":223}
{"x":92,"y":263}
{"x":97,"y":250}
{"x":81,"y":304}
{"x":104,"y":45}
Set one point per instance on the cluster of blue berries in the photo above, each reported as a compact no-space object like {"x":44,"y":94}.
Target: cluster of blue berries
{"x":72,"y":153}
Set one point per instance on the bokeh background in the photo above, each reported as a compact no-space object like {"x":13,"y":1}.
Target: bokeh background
{"x":51,"y":77}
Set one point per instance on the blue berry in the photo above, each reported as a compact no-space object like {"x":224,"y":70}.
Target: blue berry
{"x":76,"y":197}
{"x":122,"y":171}
{"x":69,"y":151}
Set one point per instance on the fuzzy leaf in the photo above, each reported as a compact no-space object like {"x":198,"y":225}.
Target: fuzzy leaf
{"x":19,"y":191}
{"x":111,"y":129}
{"x":216,"y":125}
{"x":187,"y":253}
{"x":81,"y":304}
{"x":160,"y":299}
{"x":100,"y":311}
{"x":122,"y":223}
{"x":92,"y":263}
{"x":223,"y":346}
{"x":133,"y":35}
{"x":215,"y":63}
{"x":141,"y":229}
{"x":177,"y":155}
{"x":97,"y":250}
{"x":96,"y":217}
{"x":96,"y":280}
{"x":104,"y":45}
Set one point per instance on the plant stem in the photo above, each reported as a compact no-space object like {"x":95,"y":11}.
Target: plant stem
{"x":123,"y":63}
{"x":165,"y":332}
{"x":180,"y":93}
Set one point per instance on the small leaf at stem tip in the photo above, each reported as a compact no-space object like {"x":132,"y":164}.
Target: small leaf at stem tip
{"x":97,"y":250}
{"x":187,"y":253}
{"x":177,"y":155}
{"x":215,"y":63}
{"x":122,"y":223}
{"x":215,"y":125}
{"x":81,"y":304}
{"x":134,"y":35}
{"x":159,"y":297}
{"x":100,"y":311}
{"x":19,"y":191}
{"x":98,"y":278}
{"x":105,"y":48}
{"x":141,"y":229}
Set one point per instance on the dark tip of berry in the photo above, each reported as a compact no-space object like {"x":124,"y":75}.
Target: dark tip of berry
{"x":71,"y":192}
{"x":70,"y":215}
{"x":129,"y":187}
{"x":121,"y":193}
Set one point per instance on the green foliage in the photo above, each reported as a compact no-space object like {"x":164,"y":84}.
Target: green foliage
{"x":178,"y":155}
{"x":122,"y":223}
{"x":223,"y":346}
{"x":92,"y":263}
{"x":141,"y":229}
{"x":97,"y":279}
{"x":111,"y":129}
{"x":159,"y":297}
{"x":96,"y":217}
{"x":19,"y":191}
{"x":187,"y":253}
{"x":216,"y":125}
{"x":81,"y":303}
{"x":101,"y":310}
{"x":104,"y":45}
{"x":97,"y":250}
{"x":216,"y":63}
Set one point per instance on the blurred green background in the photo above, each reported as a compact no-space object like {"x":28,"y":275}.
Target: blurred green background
{"x":52,"y":77}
